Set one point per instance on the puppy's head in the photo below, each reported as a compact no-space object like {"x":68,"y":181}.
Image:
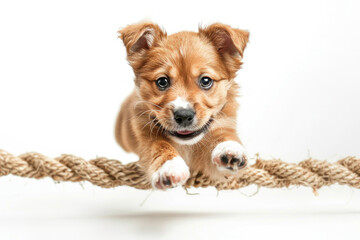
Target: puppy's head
{"x":184,"y":78}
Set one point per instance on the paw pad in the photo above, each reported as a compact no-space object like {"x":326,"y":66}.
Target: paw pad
{"x":230,"y":156}
{"x":233,"y":163}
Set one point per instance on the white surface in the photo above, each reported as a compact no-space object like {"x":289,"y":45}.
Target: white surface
{"x":63,"y":75}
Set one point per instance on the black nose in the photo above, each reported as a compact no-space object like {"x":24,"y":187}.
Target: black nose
{"x":184,"y":117}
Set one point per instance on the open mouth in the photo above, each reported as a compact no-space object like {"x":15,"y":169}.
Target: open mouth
{"x":187,"y":134}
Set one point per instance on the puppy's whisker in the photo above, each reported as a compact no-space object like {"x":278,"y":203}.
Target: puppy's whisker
{"x":143,"y":101}
{"x":149,"y":122}
{"x":161,"y":130}
{"x":152,"y":125}
{"x":138,"y":115}
{"x":154,"y":121}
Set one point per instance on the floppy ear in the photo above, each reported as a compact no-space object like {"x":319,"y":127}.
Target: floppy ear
{"x":229,"y":42}
{"x":138,"y":38}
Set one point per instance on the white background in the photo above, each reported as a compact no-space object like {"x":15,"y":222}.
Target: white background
{"x":63,"y":76}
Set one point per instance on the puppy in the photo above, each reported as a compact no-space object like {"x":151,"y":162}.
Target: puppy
{"x":182,"y":114}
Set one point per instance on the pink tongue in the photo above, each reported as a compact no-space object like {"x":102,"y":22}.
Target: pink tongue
{"x":184,"y":132}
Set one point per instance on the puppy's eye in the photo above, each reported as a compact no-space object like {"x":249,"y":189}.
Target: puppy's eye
{"x":206,"y":83}
{"x":163,"y":83}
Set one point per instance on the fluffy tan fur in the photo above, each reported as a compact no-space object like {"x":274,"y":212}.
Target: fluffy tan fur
{"x":145,"y":115}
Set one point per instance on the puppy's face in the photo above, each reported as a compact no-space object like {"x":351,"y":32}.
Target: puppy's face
{"x":184,"y":78}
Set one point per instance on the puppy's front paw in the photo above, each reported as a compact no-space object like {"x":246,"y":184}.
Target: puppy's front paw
{"x":171,"y":174}
{"x":229,"y":156}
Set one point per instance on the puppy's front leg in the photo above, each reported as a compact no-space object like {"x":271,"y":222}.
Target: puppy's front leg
{"x":228,"y":154}
{"x":166,"y":169}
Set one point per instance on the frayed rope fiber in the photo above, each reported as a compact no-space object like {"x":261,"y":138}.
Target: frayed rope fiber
{"x":108,"y":173}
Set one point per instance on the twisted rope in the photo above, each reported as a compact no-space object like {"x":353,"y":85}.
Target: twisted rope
{"x":109,"y":173}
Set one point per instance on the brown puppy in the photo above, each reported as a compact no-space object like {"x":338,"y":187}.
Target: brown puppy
{"x":182,"y":113}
